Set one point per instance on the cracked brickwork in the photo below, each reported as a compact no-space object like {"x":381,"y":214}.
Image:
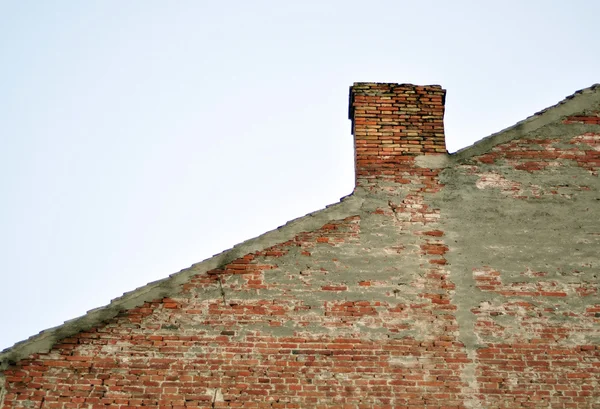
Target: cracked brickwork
{"x":465,"y":284}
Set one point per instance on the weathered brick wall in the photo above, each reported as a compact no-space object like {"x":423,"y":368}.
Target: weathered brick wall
{"x":525,"y":228}
{"x":472,"y":285}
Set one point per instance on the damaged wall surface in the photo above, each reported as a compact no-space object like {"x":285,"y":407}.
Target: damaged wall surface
{"x":444,"y":281}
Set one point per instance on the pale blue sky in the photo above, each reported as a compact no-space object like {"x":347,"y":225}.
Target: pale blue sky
{"x":139,"y":137}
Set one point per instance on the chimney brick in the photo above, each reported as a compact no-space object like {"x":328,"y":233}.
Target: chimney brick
{"x":394,"y":123}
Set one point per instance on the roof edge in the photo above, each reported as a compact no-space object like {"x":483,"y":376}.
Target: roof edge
{"x":46,"y":339}
{"x":574,"y":103}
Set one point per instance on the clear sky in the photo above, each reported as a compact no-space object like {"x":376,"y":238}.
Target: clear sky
{"x":139,"y":137}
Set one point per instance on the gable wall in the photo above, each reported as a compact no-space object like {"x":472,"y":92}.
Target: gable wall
{"x":470,"y":286}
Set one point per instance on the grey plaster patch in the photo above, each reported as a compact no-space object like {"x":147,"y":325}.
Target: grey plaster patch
{"x":2,"y":389}
{"x":486,"y":228}
{"x":215,"y":395}
{"x":433,"y":161}
{"x":404,"y":361}
{"x":468,"y":377}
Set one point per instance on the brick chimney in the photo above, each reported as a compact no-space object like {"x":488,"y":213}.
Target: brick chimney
{"x":393,"y":124}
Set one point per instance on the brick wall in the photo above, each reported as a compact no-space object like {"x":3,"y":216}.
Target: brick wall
{"x":473,"y":285}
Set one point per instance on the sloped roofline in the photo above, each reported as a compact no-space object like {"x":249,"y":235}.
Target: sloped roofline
{"x":578,"y":102}
{"x":45,"y":340}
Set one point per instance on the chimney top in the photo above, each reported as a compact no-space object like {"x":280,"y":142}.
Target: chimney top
{"x":394,"y":123}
